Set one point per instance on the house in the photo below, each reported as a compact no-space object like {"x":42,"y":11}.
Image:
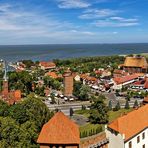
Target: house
{"x":140,"y":85}
{"x":135,"y":64}
{"x":47,"y":65}
{"x":130,"y":130}
{"x":145,"y":100}
{"x":119,"y":82}
{"x":106,"y":74}
{"x":76,"y":76}
{"x":119,"y":73}
{"x":52,"y":75}
{"x":59,"y":131}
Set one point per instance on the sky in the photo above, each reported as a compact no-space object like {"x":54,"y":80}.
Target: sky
{"x":73,"y":21}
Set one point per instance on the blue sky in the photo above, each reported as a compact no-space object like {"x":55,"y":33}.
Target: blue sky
{"x":73,"y":21}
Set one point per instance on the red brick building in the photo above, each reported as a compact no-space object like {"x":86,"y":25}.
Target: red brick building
{"x":11,"y":97}
{"x":68,"y":83}
{"x":59,"y":132}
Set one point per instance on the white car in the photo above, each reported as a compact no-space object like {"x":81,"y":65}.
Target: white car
{"x":61,"y":96}
{"x":65,"y":98}
{"x":71,"y":99}
{"x":49,"y":99}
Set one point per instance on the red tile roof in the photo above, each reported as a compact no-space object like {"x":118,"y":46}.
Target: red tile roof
{"x":146,"y":84}
{"x":59,"y":130}
{"x":47,"y":64}
{"x":52,"y":74}
{"x":132,"y":123}
{"x":121,"y":80}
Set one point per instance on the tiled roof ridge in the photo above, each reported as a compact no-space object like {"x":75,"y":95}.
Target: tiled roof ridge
{"x":121,"y":124}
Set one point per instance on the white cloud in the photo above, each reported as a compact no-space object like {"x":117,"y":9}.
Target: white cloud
{"x":4,"y":7}
{"x":67,"y":4}
{"x":98,"y":13}
{"x":20,"y":20}
{"x":108,"y":23}
{"x":124,"y":19}
{"x":82,"y":32}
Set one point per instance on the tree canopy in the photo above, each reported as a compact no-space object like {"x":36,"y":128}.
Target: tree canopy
{"x":99,"y":111}
{"x":21,"y":123}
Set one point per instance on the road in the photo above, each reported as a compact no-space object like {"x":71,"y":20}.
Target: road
{"x":65,"y":107}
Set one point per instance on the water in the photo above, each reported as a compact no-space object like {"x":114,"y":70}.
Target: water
{"x":48,"y":52}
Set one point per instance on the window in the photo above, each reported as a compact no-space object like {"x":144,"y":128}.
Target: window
{"x":138,"y":139}
{"x":130,"y":144}
{"x":143,"y":146}
{"x":143,"y":135}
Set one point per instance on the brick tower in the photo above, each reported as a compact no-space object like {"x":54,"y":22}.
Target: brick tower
{"x":68,"y":83}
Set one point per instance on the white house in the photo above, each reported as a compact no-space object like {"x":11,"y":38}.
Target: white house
{"x":119,"y":82}
{"x":130,"y":130}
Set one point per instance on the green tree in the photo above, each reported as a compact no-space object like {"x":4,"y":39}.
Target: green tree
{"x":3,"y":108}
{"x":9,"y":133}
{"x":110,"y":105}
{"x":117,"y":107}
{"x":76,"y":90}
{"x":127,"y":105}
{"x":31,"y":109}
{"x":135,"y":104}
{"x":84,"y":92}
{"x":99,"y":111}
{"x":71,"y":112}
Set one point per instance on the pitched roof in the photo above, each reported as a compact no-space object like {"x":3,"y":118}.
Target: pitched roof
{"x":59,"y":130}
{"x":135,"y":62}
{"x":52,"y":74}
{"x":121,"y":80}
{"x":129,"y":124}
{"x":146,"y":84}
{"x":47,"y":64}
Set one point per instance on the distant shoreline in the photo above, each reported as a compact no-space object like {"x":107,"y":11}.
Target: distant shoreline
{"x":50,"y":52}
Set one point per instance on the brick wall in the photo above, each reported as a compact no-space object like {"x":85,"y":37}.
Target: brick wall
{"x":93,"y":140}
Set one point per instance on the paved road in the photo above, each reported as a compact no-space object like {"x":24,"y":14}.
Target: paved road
{"x":65,"y":107}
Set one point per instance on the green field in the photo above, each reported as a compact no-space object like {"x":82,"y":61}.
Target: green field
{"x":99,"y":127}
{"x":115,"y":114}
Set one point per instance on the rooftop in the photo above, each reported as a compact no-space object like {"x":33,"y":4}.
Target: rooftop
{"x":136,"y":62}
{"x":129,"y":124}
{"x":120,"y":80}
{"x":59,"y":130}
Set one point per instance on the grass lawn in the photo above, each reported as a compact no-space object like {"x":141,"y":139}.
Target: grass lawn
{"x":85,"y":113}
{"x":90,"y":129}
{"x":115,"y":114}
{"x":99,"y":127}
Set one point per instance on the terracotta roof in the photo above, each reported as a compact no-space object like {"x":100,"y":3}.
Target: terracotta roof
{"x":121,"y":80}
{"x":59,"y":130}
{"x":47,"y":64}
{"x":52,"y":74}
{"x":129,"y":124}
{"x":84,"y":76}
{"x":17,"y":95}
{"x":135,"y":62}
{"x":118,"y":71}
{"x":141,"y":82}
{"x":146,"y":84}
